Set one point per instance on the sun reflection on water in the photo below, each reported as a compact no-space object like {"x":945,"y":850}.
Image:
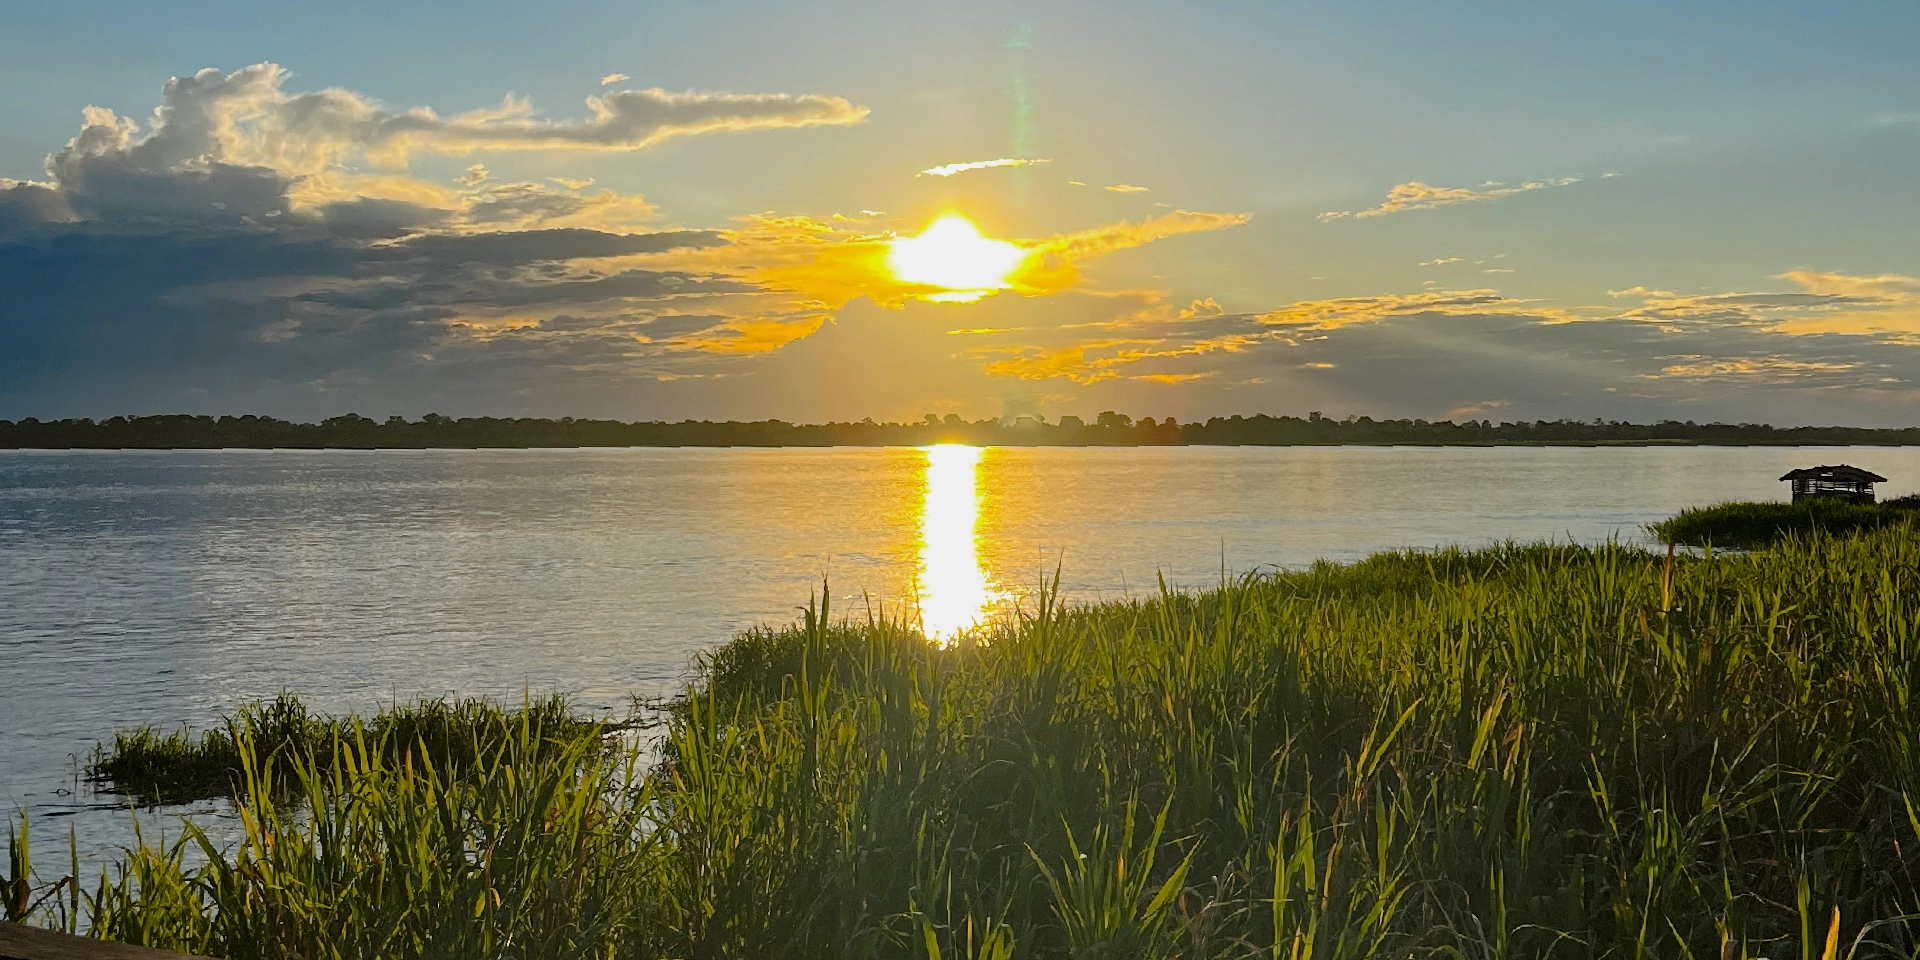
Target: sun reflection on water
{"x":954,"y":590}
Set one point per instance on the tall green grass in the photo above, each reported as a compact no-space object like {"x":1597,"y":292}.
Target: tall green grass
{"x":1747,"y":525}
{"x":152,"y":767}
{"x":1526,"y":751}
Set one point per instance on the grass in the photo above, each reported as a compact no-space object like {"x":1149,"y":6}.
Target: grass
{"x":1525,"y":751}
{"x":179,"y":767}
{"x":1745,"y":526}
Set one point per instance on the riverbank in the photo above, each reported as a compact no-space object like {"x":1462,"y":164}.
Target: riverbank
{"x":1514,"y":751}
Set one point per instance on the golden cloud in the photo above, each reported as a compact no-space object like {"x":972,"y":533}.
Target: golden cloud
{"x":1416,"y":195}
{"x":1339,"y":312}
{"x":1774,"y":369}
{"x":749,"y":335}
{"x":824,"y":265}
{"x":1885,"y":305}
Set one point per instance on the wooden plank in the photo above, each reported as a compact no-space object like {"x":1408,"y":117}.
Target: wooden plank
{"x":30,"y":943}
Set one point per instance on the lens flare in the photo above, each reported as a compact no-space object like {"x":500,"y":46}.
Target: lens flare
{"x":955,"y":592}
{"x":953,"y":255}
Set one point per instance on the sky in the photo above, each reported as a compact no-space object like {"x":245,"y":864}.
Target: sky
{"x":1504,"y":211}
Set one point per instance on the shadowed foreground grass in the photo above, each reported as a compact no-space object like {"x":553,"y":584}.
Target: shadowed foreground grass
{"x":1520,"y":752}
{"x":1747,"y":525}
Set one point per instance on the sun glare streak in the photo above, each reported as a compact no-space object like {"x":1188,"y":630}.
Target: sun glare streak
{"x":953,"y":255}
{"x":954,"y":590}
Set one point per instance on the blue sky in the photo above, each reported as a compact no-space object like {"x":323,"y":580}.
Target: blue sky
{"x":1493,"y":210}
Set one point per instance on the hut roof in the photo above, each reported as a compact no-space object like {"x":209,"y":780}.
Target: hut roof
{"x":1843,"y":473}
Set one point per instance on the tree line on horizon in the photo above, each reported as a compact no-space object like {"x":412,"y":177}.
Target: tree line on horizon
{"x":352,"y":431}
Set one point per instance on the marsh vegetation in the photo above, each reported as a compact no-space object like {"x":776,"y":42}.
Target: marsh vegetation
{"x":1747,"y":525}
{"x":1524,"y":751}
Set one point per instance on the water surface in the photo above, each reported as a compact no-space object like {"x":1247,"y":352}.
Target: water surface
{"x":164,"y":587}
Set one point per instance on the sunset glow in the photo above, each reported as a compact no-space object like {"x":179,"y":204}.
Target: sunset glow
{"x":952,"y":254}
{"x":954,"y":589}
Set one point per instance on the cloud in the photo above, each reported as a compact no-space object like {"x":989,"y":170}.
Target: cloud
{"x":257,"y":249}
{"x":949,"y":169}
{"x":1742,"y":356}
{"x":613,"y":78}
{"x":1439,"y":261}
{"x":1477,"y":408}
{"x":248,"y":258}
{"x":1415,"y":195}
{"x":621,"y":120}
{"x":1126,"y":188}
{"x":1776,"y":369}
{"x":826,"y":264}
{"x":1886,"y":305}
{"x":1335,"y":313}
{"x":25,"y":201}
{"x":220,"y":129}
{"x":1176,"y":378}
{"x":751,"y":336}
{"x":1126,"y":234}
{"x":238,"y":148}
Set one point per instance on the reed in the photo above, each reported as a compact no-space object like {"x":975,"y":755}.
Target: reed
{"x":1524,"y":751}
{"x":152,"y":767}
{"x":1747,"y":525}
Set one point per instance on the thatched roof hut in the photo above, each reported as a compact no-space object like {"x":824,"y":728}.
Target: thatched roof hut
{"x":1843,"y":482}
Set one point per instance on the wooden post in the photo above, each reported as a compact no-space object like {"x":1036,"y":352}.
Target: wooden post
{"x":30,"y":943}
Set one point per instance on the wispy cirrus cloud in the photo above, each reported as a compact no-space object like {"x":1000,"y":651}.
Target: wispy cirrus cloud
{"x":1416,"y":195}
{"x":949,"y":169}
{"x":613,"y":78}
{"x":1126,"y":188}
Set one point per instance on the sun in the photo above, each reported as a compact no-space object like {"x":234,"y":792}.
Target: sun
{"x":951,"y":254}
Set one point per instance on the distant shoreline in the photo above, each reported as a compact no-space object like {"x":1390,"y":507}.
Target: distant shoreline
{"x":1377,"y":445}
{"x":434,"y":432}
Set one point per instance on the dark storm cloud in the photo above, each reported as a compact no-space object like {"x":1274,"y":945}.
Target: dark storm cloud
{"x":99,"y":317}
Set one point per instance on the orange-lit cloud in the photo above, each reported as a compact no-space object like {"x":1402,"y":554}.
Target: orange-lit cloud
{"x":748,"y":336}
{"x":1176,"y":378}
{"x":1335,"y":313}
{"x":1776,"y":369}
{"x":823,"y":265}
{"x":1827,"y":302}
{"x":1415,"y":195}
